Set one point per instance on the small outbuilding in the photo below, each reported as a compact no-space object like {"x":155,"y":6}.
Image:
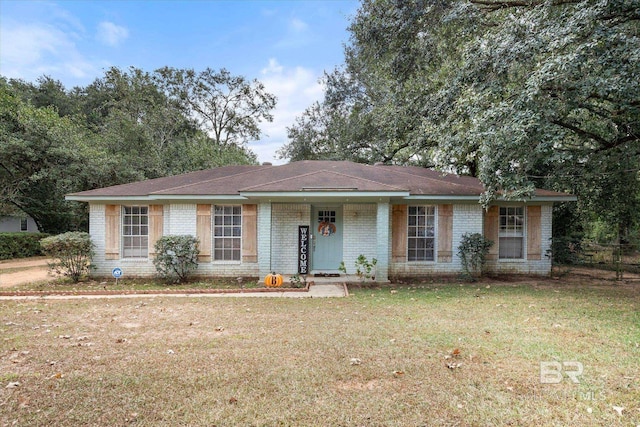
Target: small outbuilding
{"x":308,"y":217}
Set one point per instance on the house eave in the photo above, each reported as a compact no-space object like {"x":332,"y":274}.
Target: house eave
{"x":328,"y":195}
{"x":156,"y":198}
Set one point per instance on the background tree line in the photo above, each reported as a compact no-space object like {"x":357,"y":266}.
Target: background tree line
{"x":518,"y":93}
{"x":127,"y":125}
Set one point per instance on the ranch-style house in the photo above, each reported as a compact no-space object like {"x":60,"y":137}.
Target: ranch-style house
{"x":309,"y":216}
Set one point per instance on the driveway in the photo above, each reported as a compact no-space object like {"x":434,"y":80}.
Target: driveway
{"x":21,"y":271}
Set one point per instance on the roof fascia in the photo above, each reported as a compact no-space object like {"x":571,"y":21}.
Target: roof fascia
{"x":568,"y":198}
{"x":323,"y":194}
{"x":156,"y":198}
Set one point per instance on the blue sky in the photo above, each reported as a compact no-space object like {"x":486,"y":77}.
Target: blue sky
{"x":285,"y":44}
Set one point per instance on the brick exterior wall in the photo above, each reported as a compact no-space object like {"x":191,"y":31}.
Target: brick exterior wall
{"x":366,"y":230}
{"x":359,"y":231}
{"x":285,"y":219}
{"x":467,"y":218}
{"x":525,"y":266}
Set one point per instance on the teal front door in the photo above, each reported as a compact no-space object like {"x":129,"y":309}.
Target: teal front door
{"x":327,"y":242}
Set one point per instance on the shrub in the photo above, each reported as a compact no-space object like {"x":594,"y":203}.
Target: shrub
{"x":473,"y":250}
{"x":364,"y":268}
{"x":71,"y":253}
{"x":176,"y":257}
{"x":20,"y":245}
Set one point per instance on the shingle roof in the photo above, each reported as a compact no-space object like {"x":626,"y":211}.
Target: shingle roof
{"x":308,"y":175}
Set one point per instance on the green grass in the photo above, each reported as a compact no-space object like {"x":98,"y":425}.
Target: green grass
{"x":266,"y":362}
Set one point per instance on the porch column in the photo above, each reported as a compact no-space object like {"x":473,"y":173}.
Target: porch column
{"x":382,"y":242}
{"x":264,"y":239}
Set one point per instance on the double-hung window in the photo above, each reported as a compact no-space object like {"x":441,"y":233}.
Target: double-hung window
{"x":227,"y":233}
{"x":421,"y":227}
{"x":24,"y":224}
{"x":511,"y":232}
{"x":135,"y":231}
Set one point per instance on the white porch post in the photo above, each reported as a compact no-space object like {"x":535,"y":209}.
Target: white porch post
{"x":382,"y":242}
{"x":264,"y":239}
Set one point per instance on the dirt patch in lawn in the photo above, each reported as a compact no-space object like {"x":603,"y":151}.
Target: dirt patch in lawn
{"x":23,"y":271}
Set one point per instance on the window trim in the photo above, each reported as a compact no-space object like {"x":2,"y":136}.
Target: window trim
{"x":434,"y":238}
{"x":123,"y":215}
{"x":24,"y":221}
{"x":214,"y":237}
{"x":523,"y":233}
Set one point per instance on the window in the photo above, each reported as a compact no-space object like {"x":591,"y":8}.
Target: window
{"x":511,"y":233}
{"x":135,"y":231}
{"x":227,"y":233}
{"x":421,"y":227}
{"x":24,"y":225}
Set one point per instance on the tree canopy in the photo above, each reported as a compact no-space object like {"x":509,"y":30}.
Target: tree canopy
{"x":519,"y":93}
{"x":127,"y":125}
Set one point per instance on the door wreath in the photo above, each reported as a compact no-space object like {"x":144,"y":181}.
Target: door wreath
{"x":326,"y":228}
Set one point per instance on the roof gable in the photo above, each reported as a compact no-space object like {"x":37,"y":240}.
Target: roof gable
{"x":322,"y":180}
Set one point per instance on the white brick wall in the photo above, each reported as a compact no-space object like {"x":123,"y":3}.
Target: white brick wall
{"x":182,"y":220}
{"x":525,"y":266}
{"x":467,"y":218}
{"x":177,"y":219}
{"x":133,"y":267}
{"x":364,"y":229}
{"x":264,"y":239}
{"x":285,"y":219}
{"x":359,"y":231}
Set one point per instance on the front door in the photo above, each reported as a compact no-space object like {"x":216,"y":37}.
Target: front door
{"x":327,"y":242}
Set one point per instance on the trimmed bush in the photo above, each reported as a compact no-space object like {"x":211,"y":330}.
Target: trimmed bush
{"x":71,"y":252}
{"x":473,"y":250}
{"x":176,"y":257}
{"x":20,"y":245}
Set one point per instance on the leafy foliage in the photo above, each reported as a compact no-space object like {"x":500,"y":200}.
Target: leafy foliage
{"x":20,"y":245}
{"x":227,"y":107}
{"x":530,"y":94}
{"x":125,"y":126}
{"x":473,"y":250}
{"x":176,"y":257}
{"x":365,"y":269}
{"x":71,"y":252}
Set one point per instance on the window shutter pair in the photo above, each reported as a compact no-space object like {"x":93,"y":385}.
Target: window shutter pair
{"x":534,"y":231}
{"x":113,"y":229}
{"x":399,"y":233}
{"x":249,"y":232}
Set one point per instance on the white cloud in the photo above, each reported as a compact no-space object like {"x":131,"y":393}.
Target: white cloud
{"x":111,"y":34}
{"x":297,"y":35}
{"x":298,"y":25}
{"x":296,"y":89}
{"x":28,"y":51}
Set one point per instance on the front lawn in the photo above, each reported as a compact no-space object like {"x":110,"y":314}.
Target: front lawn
{"x":131,"y":285}
{"x":410,"y":355}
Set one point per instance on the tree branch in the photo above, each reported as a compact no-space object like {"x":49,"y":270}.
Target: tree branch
{"x":581,"y":132}
{"x":493,"y":5}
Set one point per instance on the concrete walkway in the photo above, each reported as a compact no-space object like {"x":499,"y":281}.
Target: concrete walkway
{"x":326,"y":290}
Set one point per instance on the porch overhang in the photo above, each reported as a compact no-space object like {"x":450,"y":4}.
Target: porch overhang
{"x":325,"y":195}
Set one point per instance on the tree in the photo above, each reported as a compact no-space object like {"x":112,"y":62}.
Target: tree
{"x":228,"y":108}
{"x":41,"y":157}
{"x":557,"y":100}
{"x":532,"y":93}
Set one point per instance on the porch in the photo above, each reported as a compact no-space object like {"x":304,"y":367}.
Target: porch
{"x":338,"y":233}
